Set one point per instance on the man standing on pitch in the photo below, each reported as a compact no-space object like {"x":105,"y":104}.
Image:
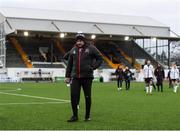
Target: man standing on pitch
{"x":83,"y":59}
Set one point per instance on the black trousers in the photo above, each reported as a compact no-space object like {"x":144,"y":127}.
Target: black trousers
{"x":76,"y":85}
{"x":160,"y":84}
{"x":127,"y":82}
{"x":119,"y":82}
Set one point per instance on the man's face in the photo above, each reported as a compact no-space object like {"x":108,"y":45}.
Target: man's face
{"x":79,"y":43}
{"x":148,"y":62}
{"x":174,"y":65}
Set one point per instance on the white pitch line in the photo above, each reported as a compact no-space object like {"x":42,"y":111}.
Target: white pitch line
{"x":32,"y":103}
{"x":38,"y":97}
{"x":10,"y":90}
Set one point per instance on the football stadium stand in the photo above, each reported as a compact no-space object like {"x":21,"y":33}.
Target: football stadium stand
{"x":33,"y":39}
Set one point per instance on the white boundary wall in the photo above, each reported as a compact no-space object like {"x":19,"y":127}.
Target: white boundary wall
{"x":15,"y":74}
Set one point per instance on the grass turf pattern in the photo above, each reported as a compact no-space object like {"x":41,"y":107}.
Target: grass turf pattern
{"x":111,"y":109}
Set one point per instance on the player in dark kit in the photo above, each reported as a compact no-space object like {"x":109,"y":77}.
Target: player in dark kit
{"x":119,"y":76}
{"x":127,"y":77}
{"x":159,"y":74}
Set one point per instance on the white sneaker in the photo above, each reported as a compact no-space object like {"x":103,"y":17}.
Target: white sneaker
{"x":78,"y":107}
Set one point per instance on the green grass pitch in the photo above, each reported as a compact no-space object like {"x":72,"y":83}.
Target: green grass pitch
{"x":37,"y":107}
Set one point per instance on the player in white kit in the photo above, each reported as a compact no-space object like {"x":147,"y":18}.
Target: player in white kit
{"x":148,"y":76}
{"x":174,"y":75}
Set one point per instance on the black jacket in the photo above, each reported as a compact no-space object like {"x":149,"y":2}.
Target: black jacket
{"x":119,"y":73}
{"x":127,"y":74}
{"x":66,"y":56}
{"x":81,"y":64}
{"x":159,"y":73}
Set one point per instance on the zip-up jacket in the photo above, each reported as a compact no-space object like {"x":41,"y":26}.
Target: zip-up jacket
{"x":119,"y":73}
{"x":159,"y":73}
{"x":82,"y":61}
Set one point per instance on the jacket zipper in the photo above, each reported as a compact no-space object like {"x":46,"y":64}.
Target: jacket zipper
{"x":79,"y":61}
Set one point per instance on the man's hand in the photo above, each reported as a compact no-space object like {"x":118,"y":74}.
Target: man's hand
{"x":67,"y":80}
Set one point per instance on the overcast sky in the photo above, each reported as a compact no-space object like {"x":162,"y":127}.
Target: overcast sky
{"x":166,"y":11}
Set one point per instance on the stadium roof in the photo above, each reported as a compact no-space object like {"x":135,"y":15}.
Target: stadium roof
{"x":66,"y":21}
